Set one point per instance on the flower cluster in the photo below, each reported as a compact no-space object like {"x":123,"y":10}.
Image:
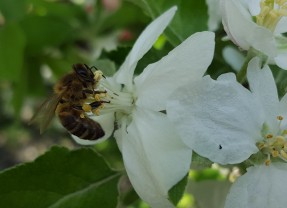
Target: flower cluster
{"x":229,"y":124}
{"x":172,"y":109}
{"x":257,"y":26}
{"x":154,"y":156}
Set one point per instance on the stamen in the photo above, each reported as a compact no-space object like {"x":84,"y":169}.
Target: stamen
{"x":271,"y":12}
{"x":86,"y":107}
{"x":268,"y":161}
{"x":283,"y":154}
{"x":261,"y":145}
{"x":109,"y":98}
{"x":269,"y":136}
{"x":275,"y":153}
{"x":98,"y":75}
{"x":274,"y":145}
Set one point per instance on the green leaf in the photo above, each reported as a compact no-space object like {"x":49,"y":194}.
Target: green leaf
{"x":13,"y":10}
{"x":190,"y":17}
{"x":46,"y":31}
{"x":106,"y":66}
{"x":12,"y":43}
{"x":127,"y":15}
{"x":127,"y":194}
{"x":152,"y":56}
{"x":209,"y":193}
{"x":118,"y":56}
{"x":67,"y":11}
{"x":280,"y":76}
{"x":176,"y":192}
{"x":60,"y":178}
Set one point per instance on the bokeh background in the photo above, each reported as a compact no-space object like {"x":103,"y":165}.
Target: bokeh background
{"x":40,"y":40}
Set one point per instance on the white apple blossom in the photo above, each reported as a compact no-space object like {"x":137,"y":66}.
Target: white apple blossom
{"x":233,"y":57}
{"x":214,"y":14}
{"x":258,"y":25}
{"x":226,"y":123}
{"x":262,"y":186}
{"x":154,"y":156}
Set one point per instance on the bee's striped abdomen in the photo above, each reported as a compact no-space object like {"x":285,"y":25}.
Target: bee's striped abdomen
{"x":84,"y":128}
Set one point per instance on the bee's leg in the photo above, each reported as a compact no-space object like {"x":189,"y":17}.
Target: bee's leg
{"x":92,"y":67}
{"x":97,"y":104}
{"x":77,"y":107}
{"x":92,"y":92}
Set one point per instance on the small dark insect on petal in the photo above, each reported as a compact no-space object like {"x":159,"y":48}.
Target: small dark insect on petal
{"x":220,"y":147}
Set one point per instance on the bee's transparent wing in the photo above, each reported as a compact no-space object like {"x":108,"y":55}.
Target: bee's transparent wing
{"x":46,"y":112}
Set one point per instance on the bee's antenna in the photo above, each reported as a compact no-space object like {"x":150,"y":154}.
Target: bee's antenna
{"x":92,"y":67}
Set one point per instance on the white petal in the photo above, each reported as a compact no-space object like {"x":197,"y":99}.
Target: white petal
{"x":281,"y":26}
{"x":233,"y":57}
{"x":281,"y":60}
{"x":142,"y":45}
{"x":219,"y":120}
{"x":236,"y":17}
{"x":254,"y":7}
{"x":227,"y":77}
{"x":107,"y":123}
{"x":214,"y":14}
{"x":262,"y":186}
{"x":263,"y":86}
{"x":187,"y":62}
{"x":154,"y":157}
{"x":282,"y":111}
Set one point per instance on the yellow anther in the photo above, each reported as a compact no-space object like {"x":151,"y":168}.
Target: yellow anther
{"x":97,"y":97}
{"x":275,"y":153}
{"x":96,"y":111}
{"x":260,"y":145}
{"x":269,"y":136}
{"x":280,"y":118}
{"x":86,"y":107}
{"x":98,"y":75}
{"x":280,"y":140}
{"x":82,"y":115}
{"x":283,"y":154}
{"x":267,"y":162}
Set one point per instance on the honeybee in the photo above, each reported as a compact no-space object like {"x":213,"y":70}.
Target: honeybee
{"x":70,"y":92}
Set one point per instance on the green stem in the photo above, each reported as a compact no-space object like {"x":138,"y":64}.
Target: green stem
{"x":241,"y":76}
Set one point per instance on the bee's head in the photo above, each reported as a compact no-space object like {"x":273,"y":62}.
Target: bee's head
{"x":84,"y":73}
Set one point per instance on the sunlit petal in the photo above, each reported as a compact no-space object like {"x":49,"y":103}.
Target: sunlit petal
{"x":154,"y":157}
{"x":236,"y":17}
{"x":186,"y":63}
{"x":142,"y":45}
{"x":262,"y":186}
{"x":263,"y":86}
{"x":219,"y":120}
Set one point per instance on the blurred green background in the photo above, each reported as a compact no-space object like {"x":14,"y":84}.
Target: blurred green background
{"x":41,"y":39}
{"x":39,"y":42}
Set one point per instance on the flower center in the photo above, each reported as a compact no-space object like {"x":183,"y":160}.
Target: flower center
{"x":271,"y":12}
{"x":107,"y":98}
{"x":274,"y":146}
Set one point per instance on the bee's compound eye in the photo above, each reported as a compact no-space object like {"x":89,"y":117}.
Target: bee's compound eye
{"x":84,"y":72}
